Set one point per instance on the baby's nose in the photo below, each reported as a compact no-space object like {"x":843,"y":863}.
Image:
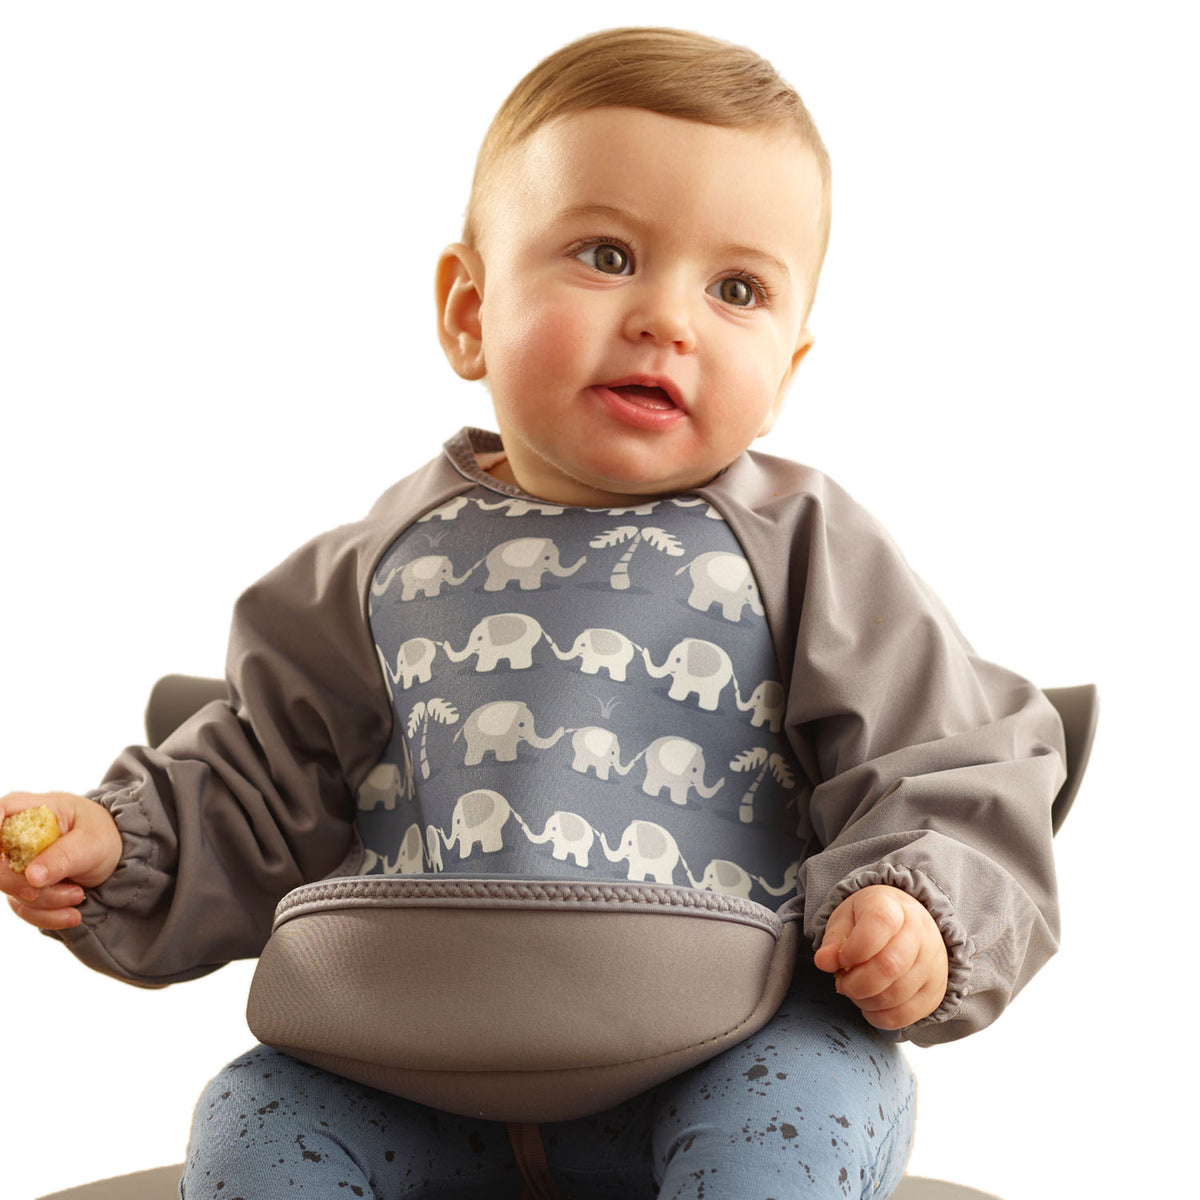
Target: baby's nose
{"x":660,"y":314}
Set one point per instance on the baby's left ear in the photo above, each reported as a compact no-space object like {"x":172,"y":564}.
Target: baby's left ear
{"x":803,"y":346}
{"x":459,"y":288}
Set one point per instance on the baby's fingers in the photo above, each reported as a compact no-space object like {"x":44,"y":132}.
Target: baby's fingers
{"x":912,"y":999}
{"x":878,"y":918}
{"x":884,"y":974}
{"x":87,"y":853}
{"x":41,"y":917}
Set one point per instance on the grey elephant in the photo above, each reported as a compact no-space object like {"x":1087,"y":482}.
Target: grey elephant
{"x":414,"y":662}
{"x":503,"y":636}
{"x":724,"y":579}
{"x":522,"y":508}
{"x":648,"y":849}
{"x":678,"y":765}
{"x":384,"y":784}
{"x":788,"y":886}
{"x":766,"y":703}
{"x":525,"y":561}
{"x":425,"y":576}
{"x":597,"y":749}
{"x":695,"y":666}
{"x":500,"y":727}
{"x":445,"y":512}
{"x":478,"y":816}
{"x":725,"y":877}
{"x":568,"y":833}
{"x":410,"y":856}
{"x":600,"y":648}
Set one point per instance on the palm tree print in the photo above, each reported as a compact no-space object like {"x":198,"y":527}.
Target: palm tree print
{"x":652,"y":536}
{"x":760,"y":760}
{"x":435,"y":709}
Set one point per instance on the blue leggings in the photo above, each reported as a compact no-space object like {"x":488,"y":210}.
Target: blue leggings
{"x":816,"y":1104}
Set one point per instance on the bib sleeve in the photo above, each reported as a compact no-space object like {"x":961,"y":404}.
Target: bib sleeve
{"x":931,"y":769}
{"x":251,"y":797}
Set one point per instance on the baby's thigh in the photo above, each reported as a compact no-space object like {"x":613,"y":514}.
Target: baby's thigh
{"x":269,"y":1125}
{"x":817,"y":1103}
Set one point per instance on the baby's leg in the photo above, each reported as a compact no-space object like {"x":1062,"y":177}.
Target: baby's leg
{"x":269,"y":1126}
{"x":816,"y":1104}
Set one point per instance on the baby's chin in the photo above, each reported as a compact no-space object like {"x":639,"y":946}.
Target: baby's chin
{"x":608,"y":477}
{"x":625,"y":491}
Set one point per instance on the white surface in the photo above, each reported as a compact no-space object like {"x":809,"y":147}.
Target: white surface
{"x":216,"y":338}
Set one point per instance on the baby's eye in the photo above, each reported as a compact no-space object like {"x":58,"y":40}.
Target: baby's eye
{"x":606,"y":257}
{"x":735,"y":290}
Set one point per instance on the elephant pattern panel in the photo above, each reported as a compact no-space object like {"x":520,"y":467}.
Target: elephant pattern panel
{"x":580,"y":694}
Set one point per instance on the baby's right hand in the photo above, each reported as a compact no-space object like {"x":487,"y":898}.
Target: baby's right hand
{"x":85,"y":856}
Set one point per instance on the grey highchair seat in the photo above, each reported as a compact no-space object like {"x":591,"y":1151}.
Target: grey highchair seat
{"x":175,"y":697}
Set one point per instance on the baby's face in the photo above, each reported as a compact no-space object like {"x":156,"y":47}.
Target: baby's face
{"x":644,"y":286}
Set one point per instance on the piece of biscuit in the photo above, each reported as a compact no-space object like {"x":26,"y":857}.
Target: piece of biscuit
{"x":24,"y":835}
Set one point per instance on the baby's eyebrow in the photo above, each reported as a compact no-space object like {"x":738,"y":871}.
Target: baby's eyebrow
{"x":755,"y":252}
{"x":606,"y":211}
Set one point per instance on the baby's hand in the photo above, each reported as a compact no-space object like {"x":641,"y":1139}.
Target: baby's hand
{"x":888,"y":955}
{"x":85,"y":856}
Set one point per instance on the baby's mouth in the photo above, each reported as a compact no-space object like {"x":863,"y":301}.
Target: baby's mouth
{"x":644,"y":396}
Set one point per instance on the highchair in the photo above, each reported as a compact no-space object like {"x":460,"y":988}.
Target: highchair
{"x":176,"y":697}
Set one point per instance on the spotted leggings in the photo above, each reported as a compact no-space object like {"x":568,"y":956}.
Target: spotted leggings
{"x":816,"y":1104}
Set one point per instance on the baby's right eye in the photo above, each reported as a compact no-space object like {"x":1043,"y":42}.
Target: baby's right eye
{"x":607,"y":258}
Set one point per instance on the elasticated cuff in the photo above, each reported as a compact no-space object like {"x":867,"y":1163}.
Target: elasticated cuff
{"x":960,"y":947}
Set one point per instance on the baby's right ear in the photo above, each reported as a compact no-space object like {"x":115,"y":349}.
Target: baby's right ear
{"x":459,"y":286}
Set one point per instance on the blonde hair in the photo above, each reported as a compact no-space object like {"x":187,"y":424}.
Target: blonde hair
{"x":670,"y":71}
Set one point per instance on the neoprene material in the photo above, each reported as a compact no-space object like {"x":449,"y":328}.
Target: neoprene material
{"x":517,"y":1001}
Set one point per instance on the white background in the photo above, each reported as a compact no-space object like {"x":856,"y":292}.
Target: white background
{"x":218,"y":225}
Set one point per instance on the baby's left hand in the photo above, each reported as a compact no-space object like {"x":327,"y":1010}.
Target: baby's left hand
{"x":888,"y":955}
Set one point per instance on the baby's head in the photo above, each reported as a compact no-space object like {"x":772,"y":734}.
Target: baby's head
{"x":646,"y":227}
{"x":669,"y":71}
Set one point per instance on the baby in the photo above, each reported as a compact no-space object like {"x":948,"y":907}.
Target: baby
{"x":610,"y":643}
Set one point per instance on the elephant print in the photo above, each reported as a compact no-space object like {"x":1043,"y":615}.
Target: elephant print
{"x":649,"y":851}
{"x":385,"y":784}
{"x":499,"y":727}
{"x":478,"y":816}
{"x":597,"y":749}
{"x":569,"y":835}
{"x":766,"y":704}
{"x":725,"y":877}
{"x":696,"y":502}
{"x":724,"y":579}
{"x":522,"y":508}
{"x":695,"y":667}
{"x":788,"y":886}
{"x":594,"y":667}
{"x":525,"y":561}
{"x":409,"y":860}
{"x":445,"y":512}
{"x":425,"y":576}
{"x":509,"y":637}
{"x":678,"y":765}
{"x":414,"y":662}
{"x":598,"y":649}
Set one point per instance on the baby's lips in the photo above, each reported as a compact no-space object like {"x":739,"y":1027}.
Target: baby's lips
{"x":652,"y":389}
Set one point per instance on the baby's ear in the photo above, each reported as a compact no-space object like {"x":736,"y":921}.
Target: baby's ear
{"x":803,"y":346}
{"x":459,"y":286}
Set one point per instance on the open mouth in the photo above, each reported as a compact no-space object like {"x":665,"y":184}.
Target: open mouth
{"x":654,"y":398}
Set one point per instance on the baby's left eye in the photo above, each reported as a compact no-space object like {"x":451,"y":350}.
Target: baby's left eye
{"x":606,"y":257}
{"x":735,"y":290}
